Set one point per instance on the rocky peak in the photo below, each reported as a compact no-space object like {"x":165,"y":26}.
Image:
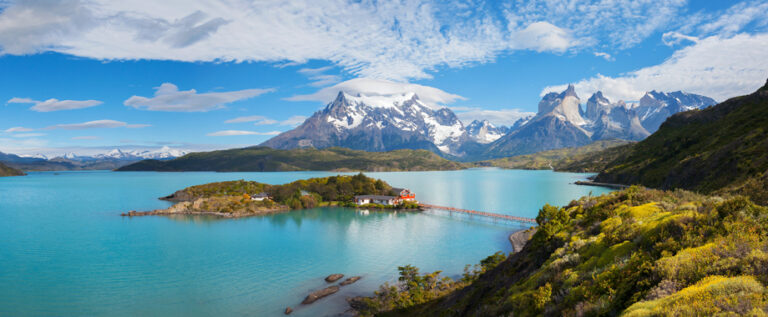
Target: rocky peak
{"x":595,"y":105}
{"x":570,"y":91}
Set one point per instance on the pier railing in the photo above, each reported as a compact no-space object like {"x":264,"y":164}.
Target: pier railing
{"x":481,"y":213}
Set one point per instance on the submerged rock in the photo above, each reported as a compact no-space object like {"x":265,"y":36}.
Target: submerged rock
{"x":333,"y":278}
{"x":314,"y":296}
{"x":350,"y":280}
{"x":288,"y":310}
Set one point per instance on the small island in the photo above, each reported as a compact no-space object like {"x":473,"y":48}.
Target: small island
{"x":234,"y":199}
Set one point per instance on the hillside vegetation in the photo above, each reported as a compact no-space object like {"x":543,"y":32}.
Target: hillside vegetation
{"x":264,"y":159}
{"x":575,"y":159}
{"x":6,"y":170}
{"x":720,"y":148}
{"x":637,"y":252}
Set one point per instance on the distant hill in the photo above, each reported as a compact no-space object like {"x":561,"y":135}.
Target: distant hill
{"x":723,"y":146}
{"x":6,"y":170}
{"x":265,"y":159}
{"x":565,"y":159}
{"x":74,"y":162}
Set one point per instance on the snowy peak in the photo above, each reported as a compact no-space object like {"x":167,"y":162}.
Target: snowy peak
{"x":485,"y":132}
{"x":565,"y":106}
{"x":655,"y":107}
{"x":377,"y":123}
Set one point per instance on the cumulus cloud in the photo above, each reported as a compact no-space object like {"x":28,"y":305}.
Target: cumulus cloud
{"x":95,"y":125}
{"x":382,"y":39}
{"x":55,"y":104}
{"x":257,"y":120}
{"x":241,"y":132}
{"x":368,"y":86}
{"x":717,"y":67}
{"x":505,"y":117}
{"x":168,"y":97}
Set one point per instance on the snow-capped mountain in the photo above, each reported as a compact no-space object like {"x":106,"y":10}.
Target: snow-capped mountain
{"x":377,"y":123}
{"x":655,"y":107}
{"x":125,"y":155}
{"x":485,"y":132}
{"x":557,"y":124}
{"x":609,"y":120}
{"x":35,"y":156}
{"x":560,"y":121}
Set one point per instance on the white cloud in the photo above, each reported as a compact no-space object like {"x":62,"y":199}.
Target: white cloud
{"x":429,"y":95}
{"x":55,"y":104}
{"x":716,"y":67}
{"x":240,"y":132}
{"x":168,"y":97}
{"x":257,"y":120}
{"x":96,"y":124}
{"x":85,"y":137}
{"x":396,"y":40}
{"x":543,"y":36}
{"x":730,"y":21}
{"x":319,"y":79}
{"x":615,"y":23}
{"x":604,"y":55}
{"x":674,"y":38}
{"x":505,"y":117}
{"x":293,"y":121}
{"x":18,"y":129}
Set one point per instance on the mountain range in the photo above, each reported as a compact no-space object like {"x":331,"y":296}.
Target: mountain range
{"x":71,"y":161}
{"x":729,"y":141}
{"x":402,"y":121}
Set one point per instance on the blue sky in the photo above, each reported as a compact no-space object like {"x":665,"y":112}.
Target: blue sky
{"x":83,"y":76}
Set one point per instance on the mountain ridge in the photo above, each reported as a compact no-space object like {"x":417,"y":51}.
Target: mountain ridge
{"x":262,"y":159}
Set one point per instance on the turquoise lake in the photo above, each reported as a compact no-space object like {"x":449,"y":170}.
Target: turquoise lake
{"x":64,"y":249}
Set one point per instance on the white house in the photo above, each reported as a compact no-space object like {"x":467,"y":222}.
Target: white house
{"x":260,"y":196}
{"x":376,"y":199}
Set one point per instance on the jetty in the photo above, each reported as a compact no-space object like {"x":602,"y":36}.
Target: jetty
{"x":481,"y":213}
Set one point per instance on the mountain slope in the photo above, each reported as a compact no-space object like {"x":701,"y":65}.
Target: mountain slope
{"x":635,"y":252}
{"x":485,"y":132}
{"x":559,"y":159}
{"x":5,"y":170}
{"x":263,"y":159}
{"x":703,"y":150}
{"x":377,"y":123}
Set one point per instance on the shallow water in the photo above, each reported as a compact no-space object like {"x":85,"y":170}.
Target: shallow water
{"x":64,"y":249}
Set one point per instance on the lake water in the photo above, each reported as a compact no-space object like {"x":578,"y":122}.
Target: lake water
{"x":64,"y":249}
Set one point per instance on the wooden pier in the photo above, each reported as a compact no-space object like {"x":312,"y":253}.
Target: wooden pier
{"x":481,"y":213}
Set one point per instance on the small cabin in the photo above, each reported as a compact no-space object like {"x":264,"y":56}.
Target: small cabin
{"x":376,"y":199}
{"x":260,"y":196}
{"x":404,"y":194}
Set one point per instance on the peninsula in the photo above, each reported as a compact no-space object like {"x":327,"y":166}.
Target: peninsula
{"x":234,"y":199}
{"x":6,"y":170}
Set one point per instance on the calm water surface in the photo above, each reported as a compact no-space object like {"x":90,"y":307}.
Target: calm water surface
{"x":65,"y":251}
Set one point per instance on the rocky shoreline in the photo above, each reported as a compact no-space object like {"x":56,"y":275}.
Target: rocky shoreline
{"x":518,"y":239}
{"x":198,"y":207}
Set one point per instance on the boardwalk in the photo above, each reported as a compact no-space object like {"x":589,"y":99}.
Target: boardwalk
{"x":481,"y":213}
